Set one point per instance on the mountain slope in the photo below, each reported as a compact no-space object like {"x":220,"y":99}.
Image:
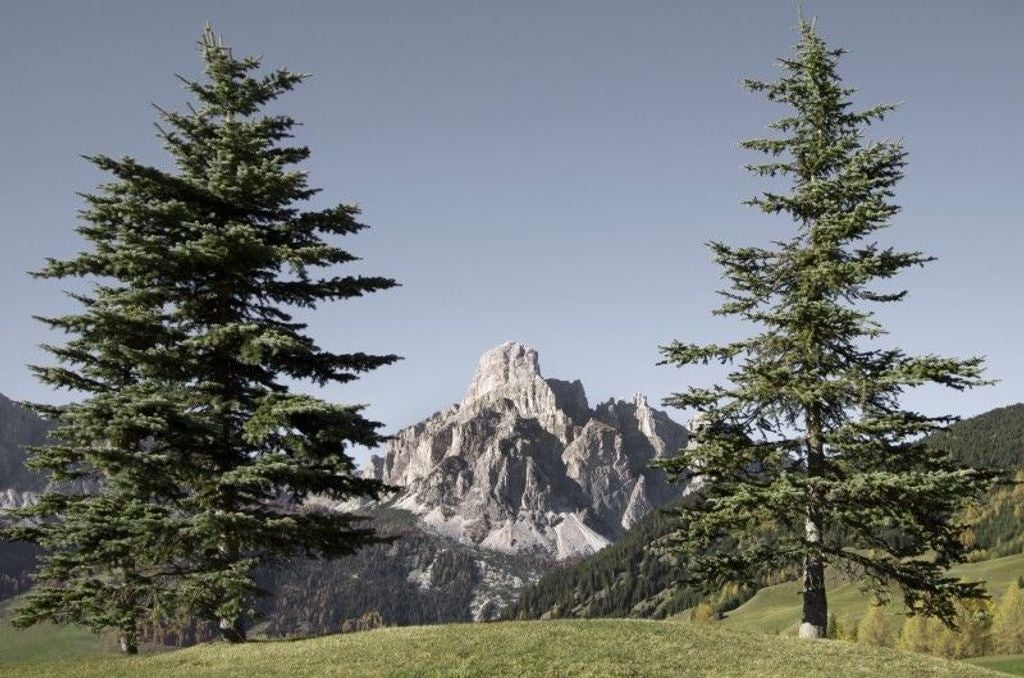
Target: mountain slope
{"x":420,"y":578}
{"x":994,"y":439}
{"x":495,"y":489}
{"x":623,"y":580}
{"x":777,"y":609}
{"x":18,"y":428}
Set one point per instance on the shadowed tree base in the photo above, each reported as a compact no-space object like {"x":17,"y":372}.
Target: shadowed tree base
{"x":232,"y":630}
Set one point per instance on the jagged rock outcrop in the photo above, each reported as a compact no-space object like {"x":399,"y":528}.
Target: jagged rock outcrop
{"x":19,"y":486}
{"x":19,"y":428}
{"x":523,"y":465}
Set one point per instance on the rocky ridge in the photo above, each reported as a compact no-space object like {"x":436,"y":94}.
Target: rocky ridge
{"x":19,"y":486}
{"x":19,"y":428}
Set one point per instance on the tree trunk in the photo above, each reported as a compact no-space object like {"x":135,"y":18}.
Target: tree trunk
{"x":128,"y":641}
{"x":814,"y":622}
{"x":232,"y":630}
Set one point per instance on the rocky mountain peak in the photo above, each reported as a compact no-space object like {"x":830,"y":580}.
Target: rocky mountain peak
{"x":509,"y":364}
{"x":523,"y":464}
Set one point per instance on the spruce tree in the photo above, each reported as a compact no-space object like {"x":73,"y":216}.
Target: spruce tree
{"x":188,"y":458}
{"x":805,"y":457}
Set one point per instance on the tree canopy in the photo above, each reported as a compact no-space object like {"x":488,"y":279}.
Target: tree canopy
{"x":188,"y":457}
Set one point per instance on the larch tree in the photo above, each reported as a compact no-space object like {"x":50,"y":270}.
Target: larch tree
{"x":187,"y":459}
{"x":1008,"y":623}
{"x":919,"y":634}
{"x":806,"y":458}
{"x":873,"y":627}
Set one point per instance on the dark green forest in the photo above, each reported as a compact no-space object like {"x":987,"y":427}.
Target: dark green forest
{"x":623,"y":580}
{"x":994,"y":439}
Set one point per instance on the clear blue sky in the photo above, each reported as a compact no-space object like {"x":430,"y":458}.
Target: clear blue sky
{"x":545,"y":171}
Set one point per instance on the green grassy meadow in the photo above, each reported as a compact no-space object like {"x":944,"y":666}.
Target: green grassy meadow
{"x":599,"y":647}
{"x":753,"y":640}
{"x":776,"y":609}
{"x":1013,"y":665}
{"x":47,"y":641}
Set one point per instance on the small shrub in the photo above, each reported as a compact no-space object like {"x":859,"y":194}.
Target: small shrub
{"x":704,"y":614}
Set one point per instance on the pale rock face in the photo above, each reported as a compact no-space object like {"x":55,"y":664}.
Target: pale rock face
{"x":11,"y":498}
{"x":523,"y":464}
{"x":509,"y":364}
{"x":639,"y":504}
{"x":498,"y":588}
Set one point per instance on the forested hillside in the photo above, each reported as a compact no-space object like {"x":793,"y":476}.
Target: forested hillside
{"x":627,"y":579}
{"x":19,"y":427}
{"x":994,"y":439}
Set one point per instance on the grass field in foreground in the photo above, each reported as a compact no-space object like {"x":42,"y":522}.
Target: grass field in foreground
{"x":773,"y":610}
{"x":604,"y":647}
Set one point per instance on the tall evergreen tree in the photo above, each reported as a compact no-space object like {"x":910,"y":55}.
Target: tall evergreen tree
{"x":188,"y":459}
{"x":807,"y":457}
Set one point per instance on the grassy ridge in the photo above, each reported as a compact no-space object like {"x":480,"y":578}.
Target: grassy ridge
{"x":597,"y":647}
{"x":776,"y":609}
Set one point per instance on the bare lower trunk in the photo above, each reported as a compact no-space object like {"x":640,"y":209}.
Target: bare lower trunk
{"x":128,"y":641}
{"x":814,"y":622}
{"x":232,"y":630}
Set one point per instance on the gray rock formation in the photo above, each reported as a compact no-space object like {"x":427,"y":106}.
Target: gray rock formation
{"x":523,"y":465}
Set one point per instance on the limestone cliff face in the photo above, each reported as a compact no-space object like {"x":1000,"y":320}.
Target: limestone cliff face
{"x":523,"y":465}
